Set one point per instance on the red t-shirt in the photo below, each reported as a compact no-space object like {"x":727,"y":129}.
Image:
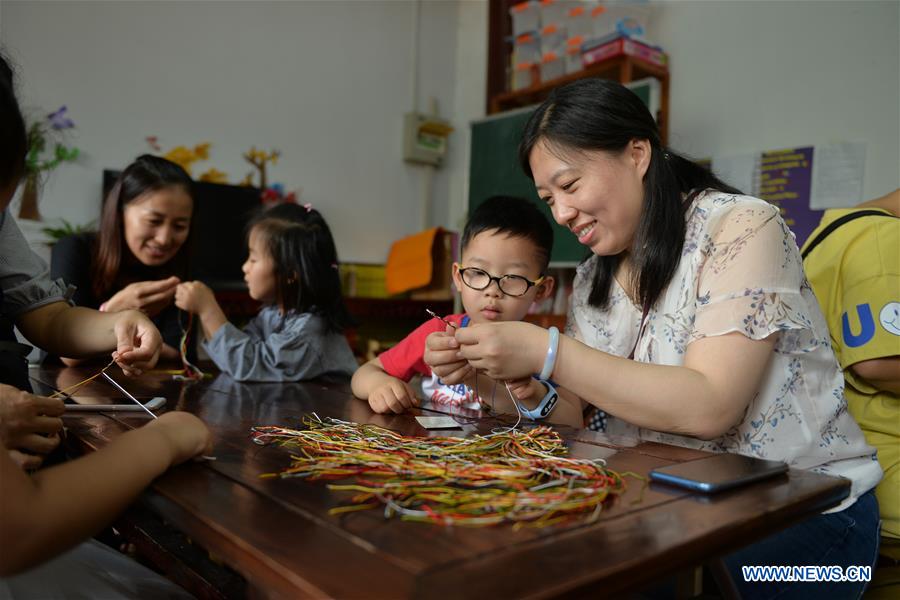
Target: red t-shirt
{"x":406,"y":359}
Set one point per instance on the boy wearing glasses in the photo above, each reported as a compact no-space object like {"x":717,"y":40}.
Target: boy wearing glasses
{"x":506,"y":248}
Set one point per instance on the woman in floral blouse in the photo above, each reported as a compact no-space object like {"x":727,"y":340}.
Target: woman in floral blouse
{"x":704,"y":288}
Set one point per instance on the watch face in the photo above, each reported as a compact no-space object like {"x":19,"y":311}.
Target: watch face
{"x":549,"y":405}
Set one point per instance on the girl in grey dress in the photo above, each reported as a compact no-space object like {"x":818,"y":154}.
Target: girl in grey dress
{"x":298,"y":334}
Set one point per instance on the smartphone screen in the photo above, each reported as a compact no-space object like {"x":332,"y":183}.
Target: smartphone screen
{"x":100,"y":403}
{"x":103,"y":400}
{"x":717,"y":473}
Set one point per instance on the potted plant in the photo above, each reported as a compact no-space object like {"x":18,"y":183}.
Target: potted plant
{"x":45,"y":152}
{"x":65,"y":229}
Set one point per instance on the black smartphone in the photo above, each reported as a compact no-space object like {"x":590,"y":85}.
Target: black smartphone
{"x":96,"y":404}
{"x":718,"y":473}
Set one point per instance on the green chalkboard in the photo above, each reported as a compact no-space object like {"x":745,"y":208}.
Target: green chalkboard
{"x":494,"y":170}
{"x":494,"y":167}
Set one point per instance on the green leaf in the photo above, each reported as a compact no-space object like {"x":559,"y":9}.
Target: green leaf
{"x":46,"y":150}
{"x":66,"y":229}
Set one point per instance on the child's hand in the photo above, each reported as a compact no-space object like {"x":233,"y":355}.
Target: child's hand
{"x":526,"y":389}
{"x":187,"y":435}
{"x":441,"y":354}
{"x":394,"y":396}
{"x":149,"y":297}
{"x":194,"y":296}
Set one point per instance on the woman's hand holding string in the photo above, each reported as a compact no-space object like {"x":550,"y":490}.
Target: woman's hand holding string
{"x":149,"y":297}
{"x":503,"y":351}
{"x":442,"y":354}
{"x":138,"y":342}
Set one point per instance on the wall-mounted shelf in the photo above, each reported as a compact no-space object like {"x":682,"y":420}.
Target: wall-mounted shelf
{"x":623,"y":69}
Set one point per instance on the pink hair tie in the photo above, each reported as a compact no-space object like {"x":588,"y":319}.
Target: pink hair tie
{"x":308,"y":207}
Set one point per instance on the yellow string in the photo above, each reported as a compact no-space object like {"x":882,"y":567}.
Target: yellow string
{"x":72,"y":388}
{"x":189,"y":370}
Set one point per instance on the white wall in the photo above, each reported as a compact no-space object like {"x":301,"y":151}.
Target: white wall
{"x":757,"y":75}
{"x":325,"y":82}
{"x":469,"y":102}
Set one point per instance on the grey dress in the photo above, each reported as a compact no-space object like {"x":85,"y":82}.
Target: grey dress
{"x":276,"y":347}
{"x":24,"y":277}
{"x":24,"y":286}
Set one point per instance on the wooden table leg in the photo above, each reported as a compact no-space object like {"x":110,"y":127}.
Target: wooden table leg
{"x":689,"y":583}
{"x":723,"y":579}
{"x":173,"y":554}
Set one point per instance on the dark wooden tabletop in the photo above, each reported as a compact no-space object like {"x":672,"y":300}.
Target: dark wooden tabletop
{"x":278,"y":534}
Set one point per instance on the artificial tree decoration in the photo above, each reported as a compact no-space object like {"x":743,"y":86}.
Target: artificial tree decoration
{"x":213,"y":175}
{"x":185,"y":157}
{"x":260,"y":160}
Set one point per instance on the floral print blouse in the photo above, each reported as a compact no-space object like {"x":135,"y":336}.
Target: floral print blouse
{"x":740,"y":271}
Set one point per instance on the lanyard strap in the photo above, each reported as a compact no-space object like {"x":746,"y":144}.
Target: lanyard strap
{"x":837,"y":223}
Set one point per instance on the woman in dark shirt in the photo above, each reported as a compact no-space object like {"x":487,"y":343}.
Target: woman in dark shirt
{"x":139,"y":255}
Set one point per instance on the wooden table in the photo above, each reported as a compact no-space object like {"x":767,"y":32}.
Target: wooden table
{"x":278,"y":534}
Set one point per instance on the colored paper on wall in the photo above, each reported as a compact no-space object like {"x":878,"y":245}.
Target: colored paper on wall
{"x":785,"y":180}
{"x":410,"y":263}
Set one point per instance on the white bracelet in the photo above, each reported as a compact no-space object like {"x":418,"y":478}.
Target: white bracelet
{"x":552,"y":351}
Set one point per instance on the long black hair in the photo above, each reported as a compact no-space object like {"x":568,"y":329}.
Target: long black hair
{"x":147,"y":173}
{"x":306,"y":265}
{"x":14,"y":145}
{"x":599,"y":114}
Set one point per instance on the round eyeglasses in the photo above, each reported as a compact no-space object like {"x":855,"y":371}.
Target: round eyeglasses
{"x":511,"y":285}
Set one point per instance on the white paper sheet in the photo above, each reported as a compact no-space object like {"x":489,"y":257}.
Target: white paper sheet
{"x":438,"y":423}
{"x":740,"y":171}
{"x":838,"y":171}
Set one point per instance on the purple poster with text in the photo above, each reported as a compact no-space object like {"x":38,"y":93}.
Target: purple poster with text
{"x":785,"y":180}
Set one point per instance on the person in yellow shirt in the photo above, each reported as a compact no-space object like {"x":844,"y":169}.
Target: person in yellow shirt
{"x":852,"y":261}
